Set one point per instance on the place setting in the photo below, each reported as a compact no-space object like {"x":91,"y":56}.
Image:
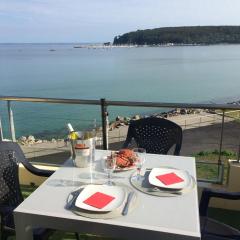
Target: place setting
{"x":161,"y":181}
{"x":103,"y":201}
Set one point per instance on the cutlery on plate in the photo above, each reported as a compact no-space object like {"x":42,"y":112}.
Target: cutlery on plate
{"x":126,"y":207}
{"x":164,"y":192}
{"x":74,"y":195}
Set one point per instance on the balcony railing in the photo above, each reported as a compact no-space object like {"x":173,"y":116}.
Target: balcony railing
{"x":222,"y":110}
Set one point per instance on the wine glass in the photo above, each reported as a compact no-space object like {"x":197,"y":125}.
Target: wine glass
{"x":141,"y":157}
{"x":109,"y":167}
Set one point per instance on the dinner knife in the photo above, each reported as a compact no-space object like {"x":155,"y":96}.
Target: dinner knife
{"x":126,"y":207}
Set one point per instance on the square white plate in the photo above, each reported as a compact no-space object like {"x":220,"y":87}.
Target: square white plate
{"x":115,"y":191}
{"x":160,"y":171}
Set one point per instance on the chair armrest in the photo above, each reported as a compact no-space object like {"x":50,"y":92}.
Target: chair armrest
{"x":37,"y":171}
{"x":29,"y":166}
{"x":207,"y":194}
{"x":5,"y":210}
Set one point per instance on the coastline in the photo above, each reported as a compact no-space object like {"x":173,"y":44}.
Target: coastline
{"x":200,"y":132}
{"x":176,"y":115}
{"x":179,"y":116}
{"x":115,"y":46}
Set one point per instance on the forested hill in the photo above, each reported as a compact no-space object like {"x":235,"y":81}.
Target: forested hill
{"x":181,"y":35}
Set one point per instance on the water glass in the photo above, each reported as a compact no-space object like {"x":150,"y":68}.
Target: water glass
{"x":141,"y":157}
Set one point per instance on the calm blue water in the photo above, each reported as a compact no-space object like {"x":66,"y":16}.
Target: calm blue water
{"x":167,"y":74}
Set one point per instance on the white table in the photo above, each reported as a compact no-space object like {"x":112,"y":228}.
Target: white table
{"x":155,"y":218}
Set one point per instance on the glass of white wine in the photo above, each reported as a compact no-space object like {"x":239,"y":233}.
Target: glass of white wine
{"x":109,"y":167}
{"x":141,"y":157}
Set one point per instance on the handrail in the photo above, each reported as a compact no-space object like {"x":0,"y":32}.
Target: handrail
{"x":50,"y":100}
{"x":123,"y":103}
{"x":103,"y":103}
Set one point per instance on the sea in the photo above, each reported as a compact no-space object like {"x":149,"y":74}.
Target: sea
{"x":183,"y":74}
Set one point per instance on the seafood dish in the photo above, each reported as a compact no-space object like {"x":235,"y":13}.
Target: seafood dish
{"x":125,"y":159}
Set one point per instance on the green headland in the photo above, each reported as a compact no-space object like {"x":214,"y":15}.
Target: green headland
{"x":195,"y":35}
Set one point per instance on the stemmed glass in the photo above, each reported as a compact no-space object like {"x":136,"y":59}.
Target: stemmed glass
{"x":141,"y":157}
{"x":109,"y":167}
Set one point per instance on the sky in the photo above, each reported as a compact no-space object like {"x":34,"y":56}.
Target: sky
{"x":101,"y":20}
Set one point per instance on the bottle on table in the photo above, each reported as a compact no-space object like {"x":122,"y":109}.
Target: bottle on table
{"x":72,"y":134}
{"x":73,"y":137}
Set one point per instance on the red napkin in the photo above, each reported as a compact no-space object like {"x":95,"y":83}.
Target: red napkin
{"x":99,"y":200}
{"x":169,"y":178}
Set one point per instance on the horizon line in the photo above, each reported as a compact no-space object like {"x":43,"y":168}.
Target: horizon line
{"x":96,"y":42}
{"x":53,"y":42}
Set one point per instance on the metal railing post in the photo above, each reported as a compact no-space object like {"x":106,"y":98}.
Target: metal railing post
{"x":220,"y":170}
{"x":238,"y":156}
{"x":1,"y":131}
{"x":11,"y":121}
{"x":107,"y":130}
{"x":104,"y":123}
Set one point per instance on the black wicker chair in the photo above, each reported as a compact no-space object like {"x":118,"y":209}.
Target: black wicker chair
{"x":10,"y":194}
{"x":212,"y":229}
{"x":156,"y":135}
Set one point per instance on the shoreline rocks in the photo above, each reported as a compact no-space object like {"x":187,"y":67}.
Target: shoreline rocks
{"x":120,"y":121}
{"x":124,"y":121}
{"x":31,"y":140}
